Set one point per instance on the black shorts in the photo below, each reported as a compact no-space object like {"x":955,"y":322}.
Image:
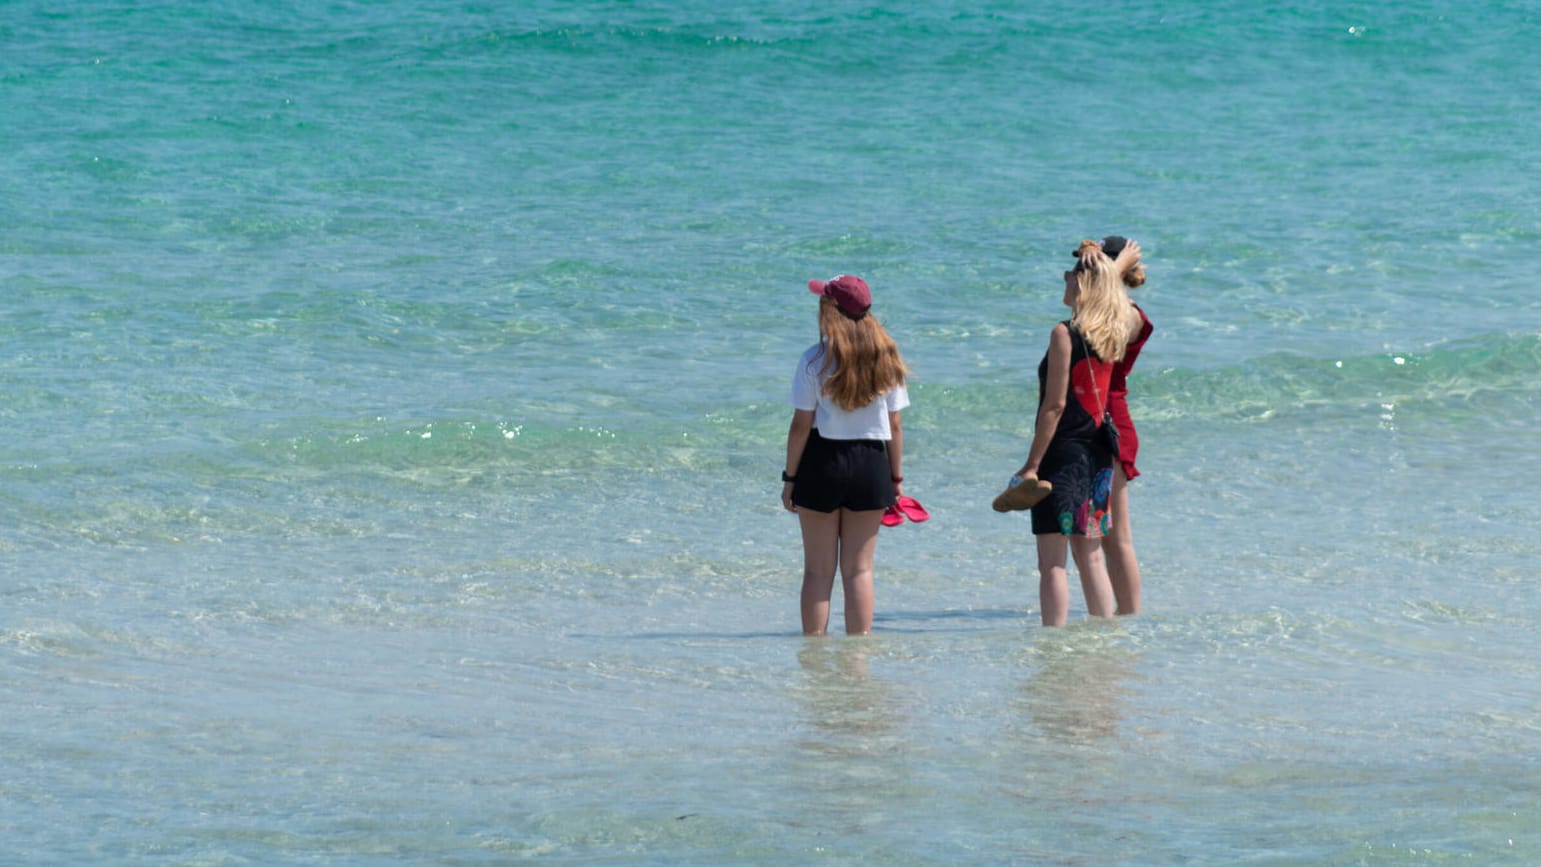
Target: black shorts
{"x":1082,"y":475}
{"x":843,"y":474}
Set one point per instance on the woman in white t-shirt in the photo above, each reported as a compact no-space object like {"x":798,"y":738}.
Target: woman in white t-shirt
{"x":844,"y":450}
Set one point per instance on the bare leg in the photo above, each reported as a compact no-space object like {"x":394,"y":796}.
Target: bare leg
{"x":1094,"y":575}
{"x":1118,"y":547}
{"x":1053,"y":588}
{"x":858,"y":544}
{"x":821,"y":555}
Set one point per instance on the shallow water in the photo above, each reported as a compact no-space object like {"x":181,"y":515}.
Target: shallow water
{"x":395,"y":399}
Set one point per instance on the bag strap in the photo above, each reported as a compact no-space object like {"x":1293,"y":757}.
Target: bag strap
{"x":1102,"y":408}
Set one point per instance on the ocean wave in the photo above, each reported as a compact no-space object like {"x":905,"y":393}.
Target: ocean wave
{"x":1261,"y":386}
{"x":1276,"y":385}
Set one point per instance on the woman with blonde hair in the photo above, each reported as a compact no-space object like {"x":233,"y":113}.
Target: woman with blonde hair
{"x":845,"y":448}
{"x":1071,"y":448}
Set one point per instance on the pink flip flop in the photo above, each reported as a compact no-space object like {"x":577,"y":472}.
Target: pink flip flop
{"x":892,"y":517}
{"x":912,"y":509}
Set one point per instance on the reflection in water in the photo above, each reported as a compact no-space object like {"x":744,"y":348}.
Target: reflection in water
{"x":850,"y":758}
{"x":1073,"y":693}
{"x":1068,"y":759}
{"x":849,"y":710}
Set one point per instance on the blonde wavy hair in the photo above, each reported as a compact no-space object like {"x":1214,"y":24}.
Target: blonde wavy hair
{"x":1103,"y":312}
{"x":861,"y":359}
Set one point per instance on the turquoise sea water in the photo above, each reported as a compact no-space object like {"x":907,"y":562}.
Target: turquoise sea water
{"x":394,"y":397}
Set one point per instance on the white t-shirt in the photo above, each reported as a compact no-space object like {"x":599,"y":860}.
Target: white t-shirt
{"x":867,"y":423}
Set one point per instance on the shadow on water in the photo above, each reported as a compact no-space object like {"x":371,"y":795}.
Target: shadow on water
{"x":685,"y":636}
{"x":897,"y":622}
{"x":945,"y":620}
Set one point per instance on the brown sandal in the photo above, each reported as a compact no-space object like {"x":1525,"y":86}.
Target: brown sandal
{"x":1022,"y":496}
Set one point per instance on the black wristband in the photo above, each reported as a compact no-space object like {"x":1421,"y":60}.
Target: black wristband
{"x":787,"y":478}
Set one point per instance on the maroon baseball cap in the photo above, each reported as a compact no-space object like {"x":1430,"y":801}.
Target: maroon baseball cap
{"x":850,"y":293}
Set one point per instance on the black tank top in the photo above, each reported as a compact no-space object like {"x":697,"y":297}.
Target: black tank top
{"x":1087,"y":389}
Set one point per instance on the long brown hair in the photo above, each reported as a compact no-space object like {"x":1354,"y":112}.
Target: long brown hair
{"x":1103,"y":312}
{"x":861,"y":359}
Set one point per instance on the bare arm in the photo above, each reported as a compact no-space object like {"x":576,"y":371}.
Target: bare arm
{"x":895,"y":450}
{"x":1053,"y":403}
{"x":797,"y":440}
